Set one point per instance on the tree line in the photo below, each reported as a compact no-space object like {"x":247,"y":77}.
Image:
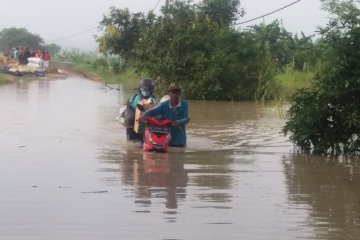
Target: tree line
{"x":197,"y":45}
{"x":11,"y":38}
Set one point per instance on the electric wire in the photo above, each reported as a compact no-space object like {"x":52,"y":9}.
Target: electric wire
{"x":73,"y":35}
{"x":88,"y":30}
{"x":267,"y":14}
{"x":156,"y":5}
{"x":250,"y":20}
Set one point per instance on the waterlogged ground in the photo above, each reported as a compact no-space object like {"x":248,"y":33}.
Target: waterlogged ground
{"x":67,"y":172}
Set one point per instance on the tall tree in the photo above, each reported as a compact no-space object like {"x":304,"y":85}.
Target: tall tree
{"x":122,"y":31}
{"x":326,"y":118}
{"x":194,"y":48}
{"x":15,"y":37}
{"x":52,"y":48}
{"x":304,"y":53}
{"x":223,"y":12}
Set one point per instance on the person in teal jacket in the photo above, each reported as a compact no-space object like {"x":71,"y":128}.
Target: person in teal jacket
{"x":177,"y":110}
{"x":145,"y":92}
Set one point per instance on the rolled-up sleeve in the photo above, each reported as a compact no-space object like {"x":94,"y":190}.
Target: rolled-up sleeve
{"x":185,"y":119}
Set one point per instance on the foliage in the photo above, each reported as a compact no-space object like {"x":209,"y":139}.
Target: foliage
{"x":222,"y":12}
{"x":326,"y":117}
{"x":20,"y":37}
{"x":115,"y":65}
{"x":100,"y":63}
{"x":305,"y":53}
{"x":291,"y":80}
{"x":52,"y":48}
{"x":195,"y":45}
{"x":122,"y":31}
{"x":16,"y":37}
{"x":110,"y":64}
{"x":189,"y":47}
{"x":276,"y":41}
{"x":73,"y":55}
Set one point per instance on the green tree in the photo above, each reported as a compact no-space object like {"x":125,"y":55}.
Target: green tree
{"x":15,"y":37}
{"x":52,"y":48}
{"x":190,"y":46}
{"x":122,"y":31}
{"x":223,"y":12}
{"x":195,"y":44}
{"x":274,"y":53}
{"x":326,"y":118}
{"x":274,"y":39}
{"x":304,"y":53}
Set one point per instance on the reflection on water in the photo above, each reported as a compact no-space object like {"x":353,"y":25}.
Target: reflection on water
{"x":238,"y":177}
{"x":160,"y":176}
{"x":331,"y":188}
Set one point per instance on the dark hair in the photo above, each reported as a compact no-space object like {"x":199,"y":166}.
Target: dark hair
{"x":174,"y":88}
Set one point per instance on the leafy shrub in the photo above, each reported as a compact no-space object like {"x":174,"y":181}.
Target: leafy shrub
{"x":115,"y":65}
{"x":100,"y":63}
{"x":326,"y":117}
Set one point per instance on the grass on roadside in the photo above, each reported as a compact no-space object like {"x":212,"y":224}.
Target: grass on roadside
{"x":5,"y":78}
{"x":291,"y":81}
{"x":129,"y":77}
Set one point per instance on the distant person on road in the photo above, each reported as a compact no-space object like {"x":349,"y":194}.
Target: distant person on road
{"x":16,"y":53}
{"x":47,"y":60}
{"x":23,"y":56}
{"x":39,"y":54}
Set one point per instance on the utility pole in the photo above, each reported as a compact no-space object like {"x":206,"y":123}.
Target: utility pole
{"x":166,"y":8}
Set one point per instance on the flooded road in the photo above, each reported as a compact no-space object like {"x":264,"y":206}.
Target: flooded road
{"x":67,"y":172}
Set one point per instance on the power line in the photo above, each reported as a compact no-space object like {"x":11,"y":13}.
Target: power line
{"x":156,"y":5}
{"x":88,"y":30}
{"x":73,"y":35}
{"x":253,"y":19}
{"x":267,"y":14}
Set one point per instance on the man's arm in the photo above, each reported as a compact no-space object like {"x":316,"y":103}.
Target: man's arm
{"x":185,"y":107}
{"x":154,"y":111}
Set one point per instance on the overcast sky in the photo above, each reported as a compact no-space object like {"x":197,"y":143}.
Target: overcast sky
{"x":72,"y":23}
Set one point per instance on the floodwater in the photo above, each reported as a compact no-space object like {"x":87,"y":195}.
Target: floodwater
{"x":67,"y":172}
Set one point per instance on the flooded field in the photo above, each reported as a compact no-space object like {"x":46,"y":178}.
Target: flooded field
{"x":67,"y":172}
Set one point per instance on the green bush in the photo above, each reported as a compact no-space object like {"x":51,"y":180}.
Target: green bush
{"x":326,"y":117}
{"x":100,"y":63}
{"x":2,"y":79}
{"x":291,"y":81}
{"x":115,"y":65}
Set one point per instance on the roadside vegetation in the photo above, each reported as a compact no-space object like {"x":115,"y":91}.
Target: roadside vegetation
{"x":201,"y":47}
{"x":97,"y":67}
{"x":2,"y":78}
{"x":11,"y":38}
{"x":325,"y":117}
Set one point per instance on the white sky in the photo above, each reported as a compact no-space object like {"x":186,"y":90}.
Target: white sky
{"x":72,"y":23}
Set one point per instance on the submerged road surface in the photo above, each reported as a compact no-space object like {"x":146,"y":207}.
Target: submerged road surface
{"x":67,"y":172}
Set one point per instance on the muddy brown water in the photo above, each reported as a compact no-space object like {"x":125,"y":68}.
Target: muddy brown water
{"x":67,"y":172}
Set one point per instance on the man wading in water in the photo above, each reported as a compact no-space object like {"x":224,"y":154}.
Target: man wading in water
{"x":175,"y":109}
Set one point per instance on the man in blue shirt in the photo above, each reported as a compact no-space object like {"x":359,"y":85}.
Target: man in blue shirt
{"x":177,"y":110}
